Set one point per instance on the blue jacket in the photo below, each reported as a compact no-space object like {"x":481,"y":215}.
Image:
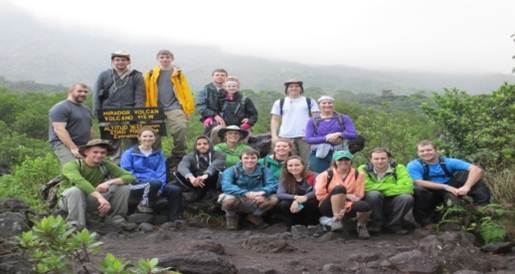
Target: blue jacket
{"x":145,"y":168}
{"x":262,"y":179}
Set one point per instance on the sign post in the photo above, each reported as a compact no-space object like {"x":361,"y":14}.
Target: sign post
{"x":124,"y":123}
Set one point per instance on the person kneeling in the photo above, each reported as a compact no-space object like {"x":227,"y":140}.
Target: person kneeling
{"x":248,"y":187}
{"x":198,"y":171}
{"x":296,"y":193}
{"x":389,"y":191}
{"x":89,"y":187}
{"x":340,"y":191}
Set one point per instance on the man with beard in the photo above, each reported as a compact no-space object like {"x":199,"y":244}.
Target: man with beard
{"x":70,"y":124}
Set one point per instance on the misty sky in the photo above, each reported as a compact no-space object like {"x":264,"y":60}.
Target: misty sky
{"x":442,"y":36}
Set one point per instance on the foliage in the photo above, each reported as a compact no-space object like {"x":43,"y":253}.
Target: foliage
{"x":28,"y":178}
{"x":480,"y":127}
{"x":56,"y":247}
{"x":485,"y":221}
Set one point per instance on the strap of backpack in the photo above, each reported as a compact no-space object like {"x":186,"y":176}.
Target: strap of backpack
{"x":308,"y":102}
{"x":281,"y":105}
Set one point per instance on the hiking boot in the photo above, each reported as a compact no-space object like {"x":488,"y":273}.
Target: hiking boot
{"x":231,"y":222}
{"x":120,"y":223}
{"x":362,"y":231}
{"x":397,"y":230}
{"x":254,"y":219}
{"x":144,"y":209}
{"x":126,"y":226}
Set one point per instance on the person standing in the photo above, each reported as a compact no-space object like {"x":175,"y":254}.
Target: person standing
{"x":119,"y":87}
{"x":290,"y":116}
{"x":167,"y":87}
{"x":209,"y":100}
{"x":70,"y":124}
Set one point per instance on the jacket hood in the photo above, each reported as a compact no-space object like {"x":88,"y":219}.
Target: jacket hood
{"x":211,"y":147}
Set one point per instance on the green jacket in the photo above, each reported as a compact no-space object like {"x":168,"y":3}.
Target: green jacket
{"x":231,"y":156}
{"x":274,"y":165}
{"x":86,"y":178}
{"x":389,"y":185}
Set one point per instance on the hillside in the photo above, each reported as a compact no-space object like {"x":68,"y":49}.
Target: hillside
{"x":31,"y":50}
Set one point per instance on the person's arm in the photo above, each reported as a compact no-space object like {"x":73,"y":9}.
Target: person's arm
{"x":66,"y":139}
{"x":229,"y":186}
{"x":404,"y":184}
{"x":121,"y":176}
{"x":98,"y":91}
{"x":310,"y":134}
{"x":201,"y":101}
{"x":161,"y":170}
{"x":416,"y":171}
{"x":350,"y":131}
{"x":475,"y":174}
{"x":282,"y":193}
{"x":275,"y":121}
{"x":217,"y":164}
{"x":139,"y":90}
{"x":126,"y":161}
{"x":270,"y":186}
{"x":321,"y":185}
{"x":184,"y":167}
{"x":251,"y":112}
{"x":71,"y":171}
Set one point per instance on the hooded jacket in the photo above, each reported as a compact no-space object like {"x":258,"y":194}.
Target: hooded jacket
{"x":389,"y":185}
{"x":274,"y":165}
{"x":355,"y":186}
{"x":181,"y":89}
{"x":237,"y":109}
{"x":231,"y":156}
{"x":111,"y":91}
{"x":190,"y":165}
{"x":145,"y":168}
{"x":238,"y":184}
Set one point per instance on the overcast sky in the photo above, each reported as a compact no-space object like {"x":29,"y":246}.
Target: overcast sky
{"x":432,"y":35}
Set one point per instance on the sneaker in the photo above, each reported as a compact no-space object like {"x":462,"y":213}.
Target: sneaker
{"x":231,"y":222}
{"x":144,"y":209}
{"x":325,"y":221}
{"x":362,"y":231}
{"x":336,"y":226}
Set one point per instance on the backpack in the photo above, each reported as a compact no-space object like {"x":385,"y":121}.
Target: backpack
{"x":370,"y":168}
{"x":240,"y":104}
{"x":443,"y":166}
{"x":317,"y":120}
{"x":49,"y":191}
{"x":281,"y":105}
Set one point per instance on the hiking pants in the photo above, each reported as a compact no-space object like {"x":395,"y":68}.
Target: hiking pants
{"x":211,"y":184}
{"x":307,"y":216}
{"x":326,"y":208}
{"x":389,"y":211}
{"x":177,"y":124}
{"x":427,"y":199}
{"x":76,"y":202}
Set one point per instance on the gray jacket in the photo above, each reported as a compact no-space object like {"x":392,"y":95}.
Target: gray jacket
{"x":189,"y":164}
{"x":111,"y":91}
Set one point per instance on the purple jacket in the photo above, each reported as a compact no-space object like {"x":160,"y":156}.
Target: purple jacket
{"x":329,"y":125}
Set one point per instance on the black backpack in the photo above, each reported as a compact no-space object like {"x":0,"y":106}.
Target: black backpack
{"x":330,"y":175}
{"x":443,"y":166}
{"x":50,"y":190}
{"x":281,"y":105}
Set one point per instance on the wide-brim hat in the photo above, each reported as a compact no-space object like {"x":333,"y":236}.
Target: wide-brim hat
{"x":121,"y":53}
{"x":243,"y":133}
{"x":293,"y":81}
{"x":97,"y":143}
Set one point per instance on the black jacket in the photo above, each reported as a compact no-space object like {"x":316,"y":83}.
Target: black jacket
{"x":208,"y":102}
{"x":239,"y":108}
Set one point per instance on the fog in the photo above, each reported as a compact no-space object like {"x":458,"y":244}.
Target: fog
{"x":438,"y":36}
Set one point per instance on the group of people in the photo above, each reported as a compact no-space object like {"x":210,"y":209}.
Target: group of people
{"x":308,"y":175}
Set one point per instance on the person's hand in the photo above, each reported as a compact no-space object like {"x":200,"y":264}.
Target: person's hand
{"x":75,"y":152}
{"x":464,"y":190}
{"x":301,"y":199}
{"x":103,"y":206}
{"x":452,"y":190}
{"x":245,"y":121}
{"x":219,"y":120}
{"x":333,"y":137}
{"x":353,"y":197}
{"x":103,"y":187}
{"x":260,"y":199}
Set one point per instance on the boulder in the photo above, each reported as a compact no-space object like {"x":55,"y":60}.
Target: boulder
{"x":12,"y":224}
{"x":414,"y":261}
{"x":268,"y":244}
{"x":204,"y":245}
{"x":139,"y":218}
{"x":498,"y":248}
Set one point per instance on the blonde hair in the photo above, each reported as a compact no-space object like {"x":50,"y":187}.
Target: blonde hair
{"x":232,"y":79}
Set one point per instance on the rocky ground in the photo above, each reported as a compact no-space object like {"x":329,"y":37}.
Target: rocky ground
{"x":194,"y":248}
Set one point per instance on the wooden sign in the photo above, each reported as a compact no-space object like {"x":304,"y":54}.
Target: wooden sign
{"x":125,"y":123}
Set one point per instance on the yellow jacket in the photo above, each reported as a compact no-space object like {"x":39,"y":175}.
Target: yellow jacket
{"x":181,"y":89}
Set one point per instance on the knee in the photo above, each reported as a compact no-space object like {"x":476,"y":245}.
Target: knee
{"x":405,"y":199}
{"x":374,"y":196}
{"x":338,"y":190}
{"x":73,"y":193}
{"x":421,"y":191}
{"x":285,"y":205}
{"x":122,"y":190}
{"x":273,"y":200}
{"x":229,"y":203}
